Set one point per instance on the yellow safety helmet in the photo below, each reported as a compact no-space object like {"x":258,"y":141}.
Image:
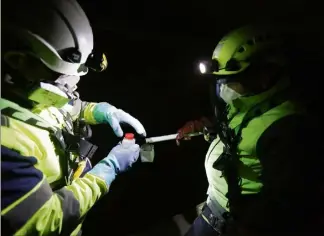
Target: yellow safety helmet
{"x":235,"y":51}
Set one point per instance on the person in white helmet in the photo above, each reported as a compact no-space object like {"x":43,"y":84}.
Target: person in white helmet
{"x":47,"y":182}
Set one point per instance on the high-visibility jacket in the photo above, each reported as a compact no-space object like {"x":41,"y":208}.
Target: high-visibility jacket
{"x":251,"y":168}
{"x":31,"y":167}
{"x":279,"y":165}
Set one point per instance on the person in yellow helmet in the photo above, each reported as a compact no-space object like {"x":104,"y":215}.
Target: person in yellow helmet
{"x":262,"y":163}
{"x":47,"y":181}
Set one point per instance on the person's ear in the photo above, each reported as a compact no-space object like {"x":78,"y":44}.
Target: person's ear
{"x":15,"y":60}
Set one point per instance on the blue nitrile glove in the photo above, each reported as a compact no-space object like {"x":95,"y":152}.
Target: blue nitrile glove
{"x":103,"y":112}
{"x":118,"y":160}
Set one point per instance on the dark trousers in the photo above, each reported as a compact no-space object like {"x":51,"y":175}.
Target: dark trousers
{"x":201,"y":228}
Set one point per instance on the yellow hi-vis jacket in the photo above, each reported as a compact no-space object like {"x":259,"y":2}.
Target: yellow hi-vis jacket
{"x":279,"y":153}
{"x":31,"y":164}
{"x":251,"y":167}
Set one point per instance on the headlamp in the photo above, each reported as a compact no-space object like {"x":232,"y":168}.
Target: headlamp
{"x":210,"y":67}
{"x":207,"y":67}
{"x":202,"y":68}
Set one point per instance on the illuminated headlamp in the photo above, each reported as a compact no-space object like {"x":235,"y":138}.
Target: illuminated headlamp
{"x":207,"y":67}
{"x":212,"y":66}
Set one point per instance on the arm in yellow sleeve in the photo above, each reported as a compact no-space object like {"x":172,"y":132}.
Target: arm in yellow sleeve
{"x":38,"y":210}
{"x":87,"y":112}
{"x":81,"y":109}
{"x":62,"y":212}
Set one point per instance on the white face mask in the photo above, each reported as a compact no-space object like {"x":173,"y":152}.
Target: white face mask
{"x":69,"y":80}
{"x":228,"y":94}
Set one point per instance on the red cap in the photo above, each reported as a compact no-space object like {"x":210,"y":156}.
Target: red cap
{"x":129,"y":136}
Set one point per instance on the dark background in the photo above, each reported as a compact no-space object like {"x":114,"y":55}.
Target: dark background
{"x":153,"y":48}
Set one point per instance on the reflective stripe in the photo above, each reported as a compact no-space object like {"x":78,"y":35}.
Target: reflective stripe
{"x":71,"y":210}
{"x":19,"y":215}
{"x":87,"y":112}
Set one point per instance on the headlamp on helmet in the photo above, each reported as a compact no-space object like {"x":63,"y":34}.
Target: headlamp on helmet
{"x":208,"y":66}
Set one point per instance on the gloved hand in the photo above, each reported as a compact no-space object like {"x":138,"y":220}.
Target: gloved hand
{"x":118,"y":160}
{"x":106,"y":113}
{"x":192,"y":127}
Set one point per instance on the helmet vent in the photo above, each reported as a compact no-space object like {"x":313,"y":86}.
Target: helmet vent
{"x":241,"y":49}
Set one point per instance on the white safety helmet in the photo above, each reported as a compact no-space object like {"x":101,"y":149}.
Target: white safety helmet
{"x":57,"y":32}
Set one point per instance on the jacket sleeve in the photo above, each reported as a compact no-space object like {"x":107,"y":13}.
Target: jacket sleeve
{"x":87,"y":112}
{"x":30,"y":207}
{"x":289,"y":152}
{"x":81,"y":109}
